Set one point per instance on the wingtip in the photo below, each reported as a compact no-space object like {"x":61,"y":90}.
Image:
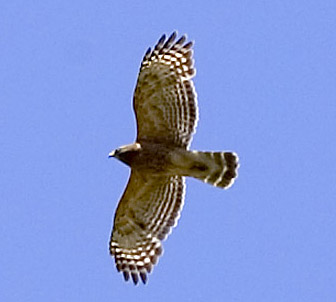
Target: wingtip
{"x":162,"y":39}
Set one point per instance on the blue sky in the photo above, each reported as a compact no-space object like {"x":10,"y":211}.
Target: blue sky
{"x":266,"y":84}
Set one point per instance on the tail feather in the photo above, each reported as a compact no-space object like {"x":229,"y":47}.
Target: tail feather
{"x":216,"y":168}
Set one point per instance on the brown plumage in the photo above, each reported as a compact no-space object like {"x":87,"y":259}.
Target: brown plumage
{"x":166,"y":110}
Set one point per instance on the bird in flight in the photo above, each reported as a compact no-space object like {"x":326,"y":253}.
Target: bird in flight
{"x":165,"y":106}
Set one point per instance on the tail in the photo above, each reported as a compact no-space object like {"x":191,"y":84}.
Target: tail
{"x":216,"y":168}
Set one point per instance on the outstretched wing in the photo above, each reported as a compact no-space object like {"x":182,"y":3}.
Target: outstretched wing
{"x":165,"y":100}
{"x":147,"y":211}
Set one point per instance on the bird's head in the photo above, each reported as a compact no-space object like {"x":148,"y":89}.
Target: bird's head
{"x":126,"y":153}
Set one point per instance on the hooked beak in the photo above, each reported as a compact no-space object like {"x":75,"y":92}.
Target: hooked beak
{"x":112,"y":154}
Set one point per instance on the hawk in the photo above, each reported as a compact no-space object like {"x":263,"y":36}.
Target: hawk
{"x":166,"y":112}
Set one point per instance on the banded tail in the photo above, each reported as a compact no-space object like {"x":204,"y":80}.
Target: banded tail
{"x":216,"y":168}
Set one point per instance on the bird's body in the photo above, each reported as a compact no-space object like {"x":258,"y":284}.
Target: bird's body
{"x":163,"y":159}
{"x":166,"y":111}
